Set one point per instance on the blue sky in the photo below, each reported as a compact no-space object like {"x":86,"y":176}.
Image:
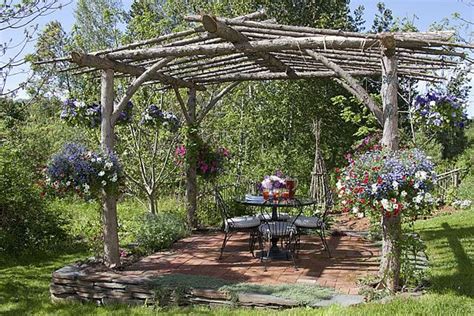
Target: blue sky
{"x":423,"y":12}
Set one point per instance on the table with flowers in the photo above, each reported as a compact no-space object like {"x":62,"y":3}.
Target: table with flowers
{"x":277,"y":192}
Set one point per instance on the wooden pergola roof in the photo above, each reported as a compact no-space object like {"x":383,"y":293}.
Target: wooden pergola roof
{"x":244,"y":48}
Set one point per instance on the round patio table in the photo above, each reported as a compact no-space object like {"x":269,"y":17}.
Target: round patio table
{"x":296,"y":202}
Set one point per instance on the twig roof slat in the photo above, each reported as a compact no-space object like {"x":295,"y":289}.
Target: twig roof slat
{"x":241,"y":49}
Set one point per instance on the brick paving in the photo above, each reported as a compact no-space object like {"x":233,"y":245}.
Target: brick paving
{"x":352,"y":258}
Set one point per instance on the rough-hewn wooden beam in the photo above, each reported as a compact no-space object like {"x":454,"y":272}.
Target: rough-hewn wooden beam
{"x":86,"y":60}
{"x":213,"y":26}
{"x":361,"y":93}
{"x":329,"y":42}
{"x":136,"y":84}
{"x":281,"y":76}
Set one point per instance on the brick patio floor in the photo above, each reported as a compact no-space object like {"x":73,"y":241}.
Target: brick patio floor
{"x":352,"y":258}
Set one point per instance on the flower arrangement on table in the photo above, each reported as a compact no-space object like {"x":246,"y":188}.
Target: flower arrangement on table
{"x":210,"y":163}
{"x":439,"y":112}
{"x":387,"y":183}
{"x":273,"y":182}
{"x":76,"y":112}
{"x":79,"y":170}
{"x":155,"y":117}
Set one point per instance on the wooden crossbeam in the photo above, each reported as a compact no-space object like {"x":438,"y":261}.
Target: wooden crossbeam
{"x":213,"y":26}
{"x":96,"y":62}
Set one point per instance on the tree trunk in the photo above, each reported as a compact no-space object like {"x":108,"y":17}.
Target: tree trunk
{"x":390,"y":263}
{"x":191,"y":193}
{"x":109,"y":202}
{"x":191,"y":161}
{"x":151,"y":203}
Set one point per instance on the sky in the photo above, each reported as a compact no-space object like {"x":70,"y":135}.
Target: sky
{"x":422,"y":12}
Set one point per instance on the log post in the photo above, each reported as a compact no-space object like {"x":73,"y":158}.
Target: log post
{"x":109,"y":202}
{"x":391,"y":226}
{"x":191,"y":160}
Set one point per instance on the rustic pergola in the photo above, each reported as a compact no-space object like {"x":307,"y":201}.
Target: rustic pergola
{"x":247,"y":48}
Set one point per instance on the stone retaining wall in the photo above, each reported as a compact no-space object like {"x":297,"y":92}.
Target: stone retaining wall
{"x":80,"y":282}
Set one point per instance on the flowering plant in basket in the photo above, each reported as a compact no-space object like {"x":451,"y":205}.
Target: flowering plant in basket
{"x":79,"y":170}
{"x":439,"y":112}
{"x":387,"y":183}
{"x":210,"y":163}
{"x":76,"y":112}
{"x":154,"y":117}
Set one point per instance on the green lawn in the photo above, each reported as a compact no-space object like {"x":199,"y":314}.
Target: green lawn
{"x":450,"y":241}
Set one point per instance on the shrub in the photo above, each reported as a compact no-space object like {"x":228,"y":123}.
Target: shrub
{"x":26,"y":224}
{"x":159,"y":231}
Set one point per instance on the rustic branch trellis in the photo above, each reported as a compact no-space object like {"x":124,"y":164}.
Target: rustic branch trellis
{"x":219,"y":50}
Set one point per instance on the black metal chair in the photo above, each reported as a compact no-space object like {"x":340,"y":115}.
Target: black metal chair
{"x":316,"y":223}
{"x":283,"y":231}
{"x":231,"y":224}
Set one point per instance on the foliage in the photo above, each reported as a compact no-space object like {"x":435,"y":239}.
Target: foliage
{"x":26,"y":223}
{"x":79,"y":170}
{"x":77,"y":113}
{"x":356,"y":113}
{"x":159,"y":231}
{"x":387,"y":183}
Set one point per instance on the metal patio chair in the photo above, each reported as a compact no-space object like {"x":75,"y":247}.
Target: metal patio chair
{"x":317,"y":223}
{"x":231,"y":224}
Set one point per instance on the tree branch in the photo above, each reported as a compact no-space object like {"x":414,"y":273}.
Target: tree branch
{"x":214,"y":101}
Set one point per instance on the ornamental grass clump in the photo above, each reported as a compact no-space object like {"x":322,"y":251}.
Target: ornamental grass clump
{"x":386,"y":183}
{"x":79,"y":170}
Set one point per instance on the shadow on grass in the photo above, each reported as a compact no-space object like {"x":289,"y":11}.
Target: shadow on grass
{"x":458,"y":274}
{"x":24,"y":280}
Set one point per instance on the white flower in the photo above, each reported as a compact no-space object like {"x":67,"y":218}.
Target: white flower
{"x":68,"y":183}
{"x":395,"y":185}
{"x":86,"y":187}
{"x":374,"y":188}
{"x":104,"y":183}
{"x":421,"y":175}
{"x":385,"y":204}
{"x":418,"y":199}
{"x":355,"y":210}
{"x":108,"y":165}
{"x":339,"y":185}
{"x":416,"y":185}
{"x":99,"y":159}
{"x":344,"y":202}
{"x":114,"y":178}
{"x":80,"y":104}
{"x":360,"y":215}
{"x":348,"y":178}
{"x":147,"y":117}
{"x":403,"y":194}
{"x":432,"y":103}
{"x":101,"y":174}
{"x":428,"y":198}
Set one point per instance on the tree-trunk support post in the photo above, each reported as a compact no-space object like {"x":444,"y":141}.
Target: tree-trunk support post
{"x":109,"y":202}
{"x":191,"y":160}
{"x":391,"y":226}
